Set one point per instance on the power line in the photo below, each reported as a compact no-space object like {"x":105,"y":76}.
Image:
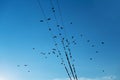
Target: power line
{"x":52,"y":35}
{"x":65,"y":32}
{"x":73,"y":73}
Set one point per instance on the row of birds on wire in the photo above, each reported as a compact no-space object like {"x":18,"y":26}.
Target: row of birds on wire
{"x":62,"y":44}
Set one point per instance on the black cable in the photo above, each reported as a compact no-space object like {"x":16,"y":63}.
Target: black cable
{"x":52,"y":35}
{"x":53,"y":8}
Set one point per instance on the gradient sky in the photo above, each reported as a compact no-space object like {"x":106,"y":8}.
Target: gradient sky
{"x":21,"y":31}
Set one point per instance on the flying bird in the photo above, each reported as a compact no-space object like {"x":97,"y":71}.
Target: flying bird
{"x":91,"y":58}
{"x":102,"y":42}
{"x":18,"y":65}
{"x":93,"y":45}
{"x":72,"y":37}
{"x":58,"y":25}
{"x":60,"y":34}
{"x":49,"y":29}
{"x":54,"y":36}
{"x":25,"y":65}
{"x":88,"y":40}
{"x":53,"y":8}
{"x":70,"y":22}
{"x":61,"y":27}
{"x":49,"y":19}
{"x":96,"y":51}
{"x":41,"y":21}
{"x":33,"y":48}
{"x":103,"y":70}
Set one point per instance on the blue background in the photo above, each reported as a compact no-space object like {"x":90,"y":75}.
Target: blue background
{"x":21,"y":31}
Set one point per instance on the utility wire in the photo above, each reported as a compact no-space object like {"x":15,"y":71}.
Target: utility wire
{"x":52,"y":35}
{"x":73,"y":73}
{"x":67,"y":40}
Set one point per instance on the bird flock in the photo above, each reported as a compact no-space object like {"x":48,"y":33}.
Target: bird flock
{"x":62,"y":44}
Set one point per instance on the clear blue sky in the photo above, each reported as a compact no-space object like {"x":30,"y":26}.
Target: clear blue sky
{"x":21,"y":31}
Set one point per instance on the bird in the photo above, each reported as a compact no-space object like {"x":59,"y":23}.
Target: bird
{"x":54,"y":36}
{"x":41,"y":21}
{"x":72,"y":37}
{"x":53,"y":52}
{"x":58,"y":25}
{"x":61,"y":63}
{"x":96,"y":51}
{"x":55,"y":44}
{"x":67,"y":40}
{"x":25,"y":65}
{"x":102,"y":42}
{"x":75,"y":43}
{"x":49,"y":19}
{"x":91,"y":58}
{"x":63,"y":38}
{"x":66,"y":45}
{"x":103,"y":70}
{"x":61,"y":27}
{"x":42,"y":53}
{"x":81,"y":35}
{"x":54,"y":49}
{"x":60,"y":34}
{"x":49,"y":29}
{"x":49,"y":53}
{"x":57,"y":56}
{"x":93,"y":45}
{"x":53,"y":8}
{"x":33,"y":48}
{"x":88,"y":40}
{"x":18,"y":65}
